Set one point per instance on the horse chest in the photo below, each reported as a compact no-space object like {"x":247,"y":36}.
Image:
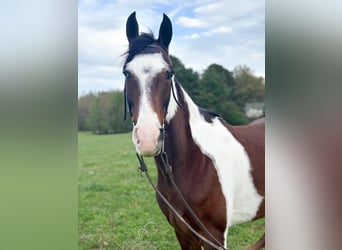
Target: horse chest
{"x":169,"y":214}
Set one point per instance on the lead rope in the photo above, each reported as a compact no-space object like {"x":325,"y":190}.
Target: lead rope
{"x":143,"y":168}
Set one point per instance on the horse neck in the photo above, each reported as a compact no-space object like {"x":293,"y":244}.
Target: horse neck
{"x":179,"y":143}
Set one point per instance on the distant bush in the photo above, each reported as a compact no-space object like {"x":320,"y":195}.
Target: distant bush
{"x":102,"y":113}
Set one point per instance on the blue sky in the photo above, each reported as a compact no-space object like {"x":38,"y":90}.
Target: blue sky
{"x":227,"y":32}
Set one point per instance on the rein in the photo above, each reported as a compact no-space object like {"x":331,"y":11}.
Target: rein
{"x":168,"y":170}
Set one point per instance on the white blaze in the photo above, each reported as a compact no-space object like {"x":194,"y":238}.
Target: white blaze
{"x":147,"y":129}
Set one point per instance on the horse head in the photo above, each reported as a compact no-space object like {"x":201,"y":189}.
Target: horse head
{"x":149,"y":79}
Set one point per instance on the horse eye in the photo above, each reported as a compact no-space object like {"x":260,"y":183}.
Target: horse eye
{"x":169,"y":74}
{"x":126,"y":73}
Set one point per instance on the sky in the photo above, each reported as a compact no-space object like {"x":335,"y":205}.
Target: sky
{"x":226,"y":32}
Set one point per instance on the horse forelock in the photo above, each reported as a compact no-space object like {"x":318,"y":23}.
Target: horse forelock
{"x":143,"y":44}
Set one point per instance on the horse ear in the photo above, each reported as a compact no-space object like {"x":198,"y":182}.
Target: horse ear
{"x":165,"y":32}
{"x":132,"y":27}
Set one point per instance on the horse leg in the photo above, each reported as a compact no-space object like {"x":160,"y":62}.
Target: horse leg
{"x":187,"y":242}
{"x":259,"y":244}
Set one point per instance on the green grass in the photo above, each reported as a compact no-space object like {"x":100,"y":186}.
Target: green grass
{"x":117,"y":207}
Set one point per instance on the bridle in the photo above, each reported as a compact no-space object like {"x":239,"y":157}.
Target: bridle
{"x":167,"y":169}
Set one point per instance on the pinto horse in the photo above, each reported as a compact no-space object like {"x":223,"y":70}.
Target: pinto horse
{"x":218,"y":168}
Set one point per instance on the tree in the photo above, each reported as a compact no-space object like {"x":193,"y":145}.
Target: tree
{"x":215,"y":86}
{"x":215,"y":94}
{"x":117,"y":124}
{"x":249,"y":88}
{"x":103,"y":113}
{"x":97,"y":119}
{"x":187,"y":77}
{"x":84,"y":103}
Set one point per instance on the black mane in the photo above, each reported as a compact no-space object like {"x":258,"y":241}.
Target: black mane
{"x":208,"y":115}
{"x":140,"y":43}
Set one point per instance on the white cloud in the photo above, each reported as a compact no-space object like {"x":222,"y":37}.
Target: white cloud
{"x":190,"y":22}
{"x":192,"y":36}
{"x":221,"y":30}
{"x":210,"y":8}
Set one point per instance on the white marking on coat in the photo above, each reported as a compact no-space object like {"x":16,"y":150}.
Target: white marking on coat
{"x":145,"y":67}
{"x":232,"y":165}
{"x":172,"y":108}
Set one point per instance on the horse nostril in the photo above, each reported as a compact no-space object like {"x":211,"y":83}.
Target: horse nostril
{"x":136,"y":137}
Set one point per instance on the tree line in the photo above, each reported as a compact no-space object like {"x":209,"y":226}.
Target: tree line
{"x":217,"y":89}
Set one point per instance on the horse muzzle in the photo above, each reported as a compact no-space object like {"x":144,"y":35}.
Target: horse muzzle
{"x":148,"y":141}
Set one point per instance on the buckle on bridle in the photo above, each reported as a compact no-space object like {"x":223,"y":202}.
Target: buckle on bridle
{"x":142,"y":168}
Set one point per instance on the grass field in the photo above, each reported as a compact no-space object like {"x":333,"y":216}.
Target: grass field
{"x":117,"y":207}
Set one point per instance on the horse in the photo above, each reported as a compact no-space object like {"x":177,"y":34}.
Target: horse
{"x":218,"y":176}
